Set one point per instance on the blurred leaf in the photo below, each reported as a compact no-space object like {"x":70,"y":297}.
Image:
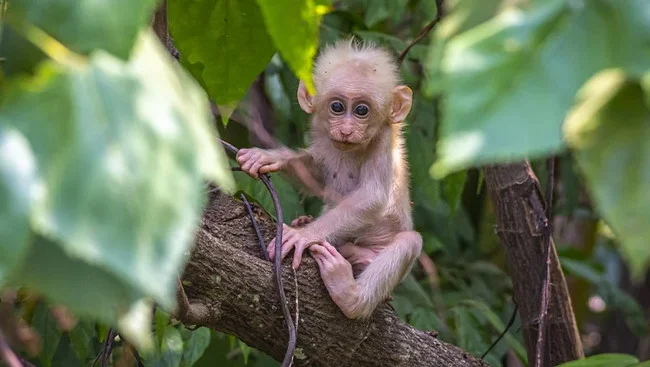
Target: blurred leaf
{"x":83,"y":339}
{"x":83,"y":25}
{"x":613,"y":296}
{"x":171,"y":349}
{"x":453,"y":186}
{"x":419,"y":136}
{"x":293,"y":26}
{"x":467,"y":329}
{"x":480,"y":310}
{"x":380,"y":10}
{"x":426,"y":319}
{"x":161,"y":321}
{"x":195,"y":346}
{"x":211,"y":35}
{"x":531,"y":63}
{"x":105,"y":297}
{"x":45,"y":325}
{"x":122,"y":151}
{"x":18,"y":187}
{"x":65,"y":355}
{"x":255,"y":189}
{"x":245,"y":350}
{"x":80,"y":25}
{"x":604,"y":360}
{"x":609,"y":131}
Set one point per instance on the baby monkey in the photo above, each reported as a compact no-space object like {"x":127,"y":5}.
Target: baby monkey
{"x":363,"y":241}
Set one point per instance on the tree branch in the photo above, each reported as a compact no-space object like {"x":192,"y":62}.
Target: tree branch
{"x":523,"y":230}
{"x":235,"y":286}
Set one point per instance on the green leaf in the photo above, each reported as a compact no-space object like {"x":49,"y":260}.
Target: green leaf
{"x":380,"y":10}
{"x":293,"y":26}
{"x":161,"y":320}
{"x":195,"y":346}
{"x":171,"y":349}
{"x":45,"y":324}
{"x":255,"y":189}
{"x":83,"y":339}
{"x":18,"y":187}
{"x":510,"y":81}
{"x":122,"y":151}
{"x":245,"y":350}
{"x":604,"y":360}
{"x":107,"y":298}
{"x":609,"y":132}
{"x":453,"y":186}
{"x":86,"y":25}
{"x":480,"y":309}
{"x":222,"y":43}
{"x":466,"y":326}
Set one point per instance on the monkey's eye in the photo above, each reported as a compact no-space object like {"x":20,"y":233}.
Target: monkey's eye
{"x":337,"y":107}
{"x":361,"y":110}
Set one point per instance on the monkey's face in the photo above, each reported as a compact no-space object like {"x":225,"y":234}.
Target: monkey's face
{"x":350,"y":120}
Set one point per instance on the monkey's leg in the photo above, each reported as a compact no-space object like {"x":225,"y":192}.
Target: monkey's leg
{"x":359,"y":298}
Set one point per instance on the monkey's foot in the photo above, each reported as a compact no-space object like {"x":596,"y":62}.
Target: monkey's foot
{"x":302,"y":221}
{"x":336,"y":273}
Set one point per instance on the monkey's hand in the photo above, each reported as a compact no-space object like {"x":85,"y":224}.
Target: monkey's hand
{"x":298,"y":238}
{"x":336,"y":272}
{"x":256,"y":161}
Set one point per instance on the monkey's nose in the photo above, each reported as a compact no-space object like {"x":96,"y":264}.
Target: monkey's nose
{"x":345,"y":134}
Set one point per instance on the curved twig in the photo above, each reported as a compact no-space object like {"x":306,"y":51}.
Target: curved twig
{"x":424,"y":31}
{"x":277,"y":266}
{"x":260,"y":239}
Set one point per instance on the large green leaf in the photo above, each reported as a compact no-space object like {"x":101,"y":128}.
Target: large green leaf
{"x":609,"y":131}
{"x":195,"y":343}
{"x":222,"y":42}
{"x":87,"y":290}
{"x":18,"y":187}
{"x":510,"y":81}
{"x":122,"y":150}
{"x":294,"y":26}
{"x":604,"y":360}
{"x":85,"y":25}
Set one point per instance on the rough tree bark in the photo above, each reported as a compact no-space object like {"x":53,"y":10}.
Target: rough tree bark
{"x":230,"y":288}
{"x":519,"y":210}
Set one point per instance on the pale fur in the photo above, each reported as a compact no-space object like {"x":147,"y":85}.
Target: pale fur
{"x":367,"y":213}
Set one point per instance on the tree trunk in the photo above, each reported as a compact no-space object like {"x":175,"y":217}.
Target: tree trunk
{"x":519,"y":210}
{"x":233,"y":287}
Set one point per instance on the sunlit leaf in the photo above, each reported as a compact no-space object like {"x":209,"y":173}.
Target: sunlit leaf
{"x":609,"y":132}
{"x":223,"y":43}
{"x":80,"y":25}
{"x":510,"y":81}
{"x":18,"y":187}
{"x":293,"y":26}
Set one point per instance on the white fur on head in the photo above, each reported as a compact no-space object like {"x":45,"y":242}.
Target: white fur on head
{"x":375,"y":63}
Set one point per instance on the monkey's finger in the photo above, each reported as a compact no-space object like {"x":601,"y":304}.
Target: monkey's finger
{"x":331,"y":249}
{"x":270,"y":249}
{"x":246,"y":167}
{"x":319,"y":260}
{"x":297,"y":256}
{"x":321,"y":252}
{"x":287,"y":247}
{"x":273,"y":167}
{"x":255,"y":168}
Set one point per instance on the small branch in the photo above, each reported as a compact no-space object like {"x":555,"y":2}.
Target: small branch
{"x":7,"y":354}
{"x":513,"y":317}
{"x":543,"y":310}
{"x":424,"y":31}
{"x":277,"y":266}
{"x":256,"y":228}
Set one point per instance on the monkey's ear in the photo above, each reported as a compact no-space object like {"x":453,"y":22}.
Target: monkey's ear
{"x":402,"y":101}
{"x":304,"y":99}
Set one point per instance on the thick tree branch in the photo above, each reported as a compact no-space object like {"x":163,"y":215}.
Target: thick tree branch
{"x":521,"y":225}
{"x":228,"y":279}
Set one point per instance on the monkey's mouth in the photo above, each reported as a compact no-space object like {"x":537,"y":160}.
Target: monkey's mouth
{"x":345,"y":145}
